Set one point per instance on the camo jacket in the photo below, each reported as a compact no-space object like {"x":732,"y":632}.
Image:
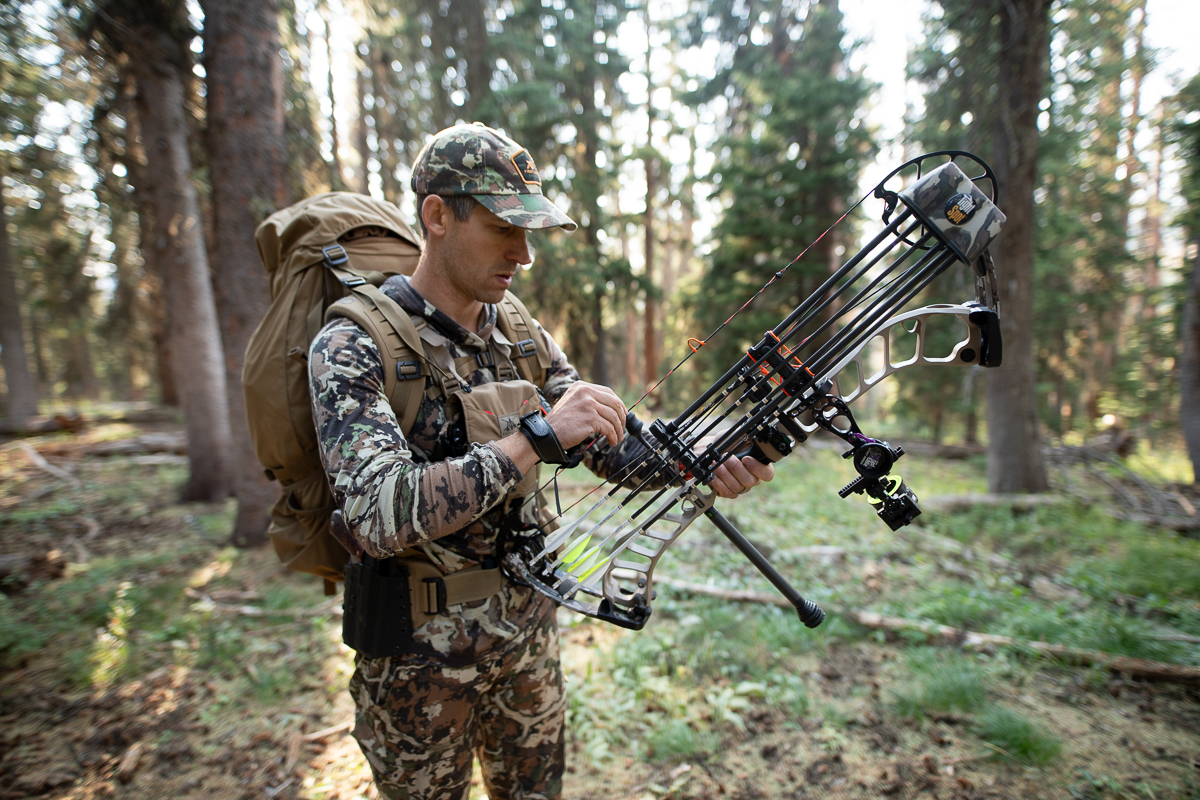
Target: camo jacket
{"x":399,"y":490}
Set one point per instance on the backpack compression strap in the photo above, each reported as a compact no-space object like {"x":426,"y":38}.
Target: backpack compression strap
{"x":517,"y":324}
{"x":393,"y":331}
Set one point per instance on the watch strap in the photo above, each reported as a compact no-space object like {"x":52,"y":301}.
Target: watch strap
{"x":542,"y":438}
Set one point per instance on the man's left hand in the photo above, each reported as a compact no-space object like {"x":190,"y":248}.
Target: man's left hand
{"x":737,"y":476}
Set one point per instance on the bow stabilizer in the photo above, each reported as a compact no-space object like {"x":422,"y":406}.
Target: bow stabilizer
{"x":787,"y":387}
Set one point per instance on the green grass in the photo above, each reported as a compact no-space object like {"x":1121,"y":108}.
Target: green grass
{"x":942,"y":682}
{"x":1016,"y":738}
{"x":677,"y":740}
{"x":1146,"y":566}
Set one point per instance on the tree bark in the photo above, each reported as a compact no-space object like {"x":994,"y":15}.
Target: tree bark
{"x":246,"y":152}
{"x":336,"y":178}
{"x":160,"y":323}
{"x":1014,"y":452}
{"x":360,"y":131}
{"x":20,"y":382}
{"x":178,"y":250}
{"x":650,"y":337}
{"x":1189,"y":367}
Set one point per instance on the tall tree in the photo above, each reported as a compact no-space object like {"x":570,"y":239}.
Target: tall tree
{"x":556,"y":93}
{"x":246,"y":167}
{"x":983,"y":68}
{"x":1185,"y":130}
{"x":1014,"y":446}
{"x":790,"y":158}
{"x":18,"y":112}
{"x":153,"y":36}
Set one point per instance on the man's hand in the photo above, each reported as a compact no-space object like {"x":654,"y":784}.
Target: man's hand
{"x":585,"y":411}
{"x":736,"y":476}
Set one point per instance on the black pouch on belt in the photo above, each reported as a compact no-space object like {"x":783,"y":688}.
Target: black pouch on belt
{"x":377,"y":612}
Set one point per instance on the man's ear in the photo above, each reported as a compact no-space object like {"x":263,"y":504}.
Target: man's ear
{"x":433,"y":213}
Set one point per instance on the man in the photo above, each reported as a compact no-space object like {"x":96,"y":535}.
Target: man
{"x":483,"y":678}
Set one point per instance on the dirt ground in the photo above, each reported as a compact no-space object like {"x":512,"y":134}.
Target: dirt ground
{"x":170,"y":665}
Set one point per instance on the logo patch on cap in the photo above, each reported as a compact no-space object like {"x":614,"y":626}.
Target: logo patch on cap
{"x":526,"y":169}
{"x":960,"y":208}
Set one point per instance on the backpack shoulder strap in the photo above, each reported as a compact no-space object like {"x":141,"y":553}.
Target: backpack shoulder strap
{"x":393,"y":331}
{"x":517,"y":324}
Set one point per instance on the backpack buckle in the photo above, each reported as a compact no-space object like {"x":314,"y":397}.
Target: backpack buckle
{"x":526,"y":348}
{"x":485,"y":359}
{"x":408,"y":370}
{"x":335,"y":255}
{"x":435,"y":595}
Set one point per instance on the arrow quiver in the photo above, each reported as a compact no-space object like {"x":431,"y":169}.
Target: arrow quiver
{"x":863,"y":324}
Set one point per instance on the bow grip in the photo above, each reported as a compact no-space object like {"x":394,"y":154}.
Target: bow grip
{"x":769,"y":446}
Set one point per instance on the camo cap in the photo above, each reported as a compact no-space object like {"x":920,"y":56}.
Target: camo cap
{"x":485,"y":164}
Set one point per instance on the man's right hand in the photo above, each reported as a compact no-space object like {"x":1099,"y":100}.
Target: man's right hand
{"x":585,"y":411}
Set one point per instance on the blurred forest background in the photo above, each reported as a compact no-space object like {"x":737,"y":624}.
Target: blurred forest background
{"x":143,"y":140}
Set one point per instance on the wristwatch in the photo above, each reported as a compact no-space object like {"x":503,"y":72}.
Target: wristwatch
{"x":541,"y":437}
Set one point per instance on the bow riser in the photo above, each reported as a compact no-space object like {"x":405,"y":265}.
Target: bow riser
{"x":978,"y":348}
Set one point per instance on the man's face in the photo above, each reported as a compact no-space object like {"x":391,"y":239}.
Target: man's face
{"x":479,"y":257}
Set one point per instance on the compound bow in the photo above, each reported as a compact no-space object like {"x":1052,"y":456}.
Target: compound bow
{"x":784,"y":389}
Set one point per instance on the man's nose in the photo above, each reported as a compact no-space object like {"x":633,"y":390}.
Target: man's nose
{"x":519,"y":251}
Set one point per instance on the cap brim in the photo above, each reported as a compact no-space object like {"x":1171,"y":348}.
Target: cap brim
{"x":532,"y":211}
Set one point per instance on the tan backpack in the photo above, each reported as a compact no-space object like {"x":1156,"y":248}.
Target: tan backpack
{"x":316,"y":254}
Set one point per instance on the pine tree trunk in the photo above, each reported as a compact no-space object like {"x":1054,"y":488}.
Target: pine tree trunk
{"x":245,"y":150}
{"x":385,"y":129}
{"x":1189,"y":368}
{"x":21,"y":384}
{"x":159,"y":322}
{"x":360,"y":132}
{"x":177,"y":249}
{"x":1014,"y":449}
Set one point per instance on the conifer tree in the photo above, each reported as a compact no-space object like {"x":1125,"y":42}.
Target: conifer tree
{"x":1185,"y":131}
{"x":19,"y":110}
{"x":789,"y":160}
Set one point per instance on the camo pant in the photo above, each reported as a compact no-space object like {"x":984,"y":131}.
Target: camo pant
{"x":419,"y":724}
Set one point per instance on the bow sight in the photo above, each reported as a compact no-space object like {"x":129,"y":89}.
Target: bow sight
{"x":800,"y":378}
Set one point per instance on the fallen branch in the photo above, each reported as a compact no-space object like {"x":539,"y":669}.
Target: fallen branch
{"x":341,"y":727}
{"x":74,"y":421}
{"x":258,"y":611}
{"x":41,"y":463}
{"x":172,"y":443}
{"x":952,"y":503}
{"x":944,"y":634}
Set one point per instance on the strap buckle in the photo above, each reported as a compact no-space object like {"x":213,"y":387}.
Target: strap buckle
{"x":408,"y":370}
{"x":526,"y":348}
{"x":435,"y":595}
{"x":485,"y":359}
{"x":335,"y":255}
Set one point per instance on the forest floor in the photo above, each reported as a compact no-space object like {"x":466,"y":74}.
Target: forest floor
{"x":163,"y":663}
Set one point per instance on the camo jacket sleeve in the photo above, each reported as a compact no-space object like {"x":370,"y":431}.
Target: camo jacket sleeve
{"x":622,"y":463}
{"x":389,"y":501}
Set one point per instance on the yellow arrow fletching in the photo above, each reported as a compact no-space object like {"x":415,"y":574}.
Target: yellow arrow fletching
{"x":576,"y":552}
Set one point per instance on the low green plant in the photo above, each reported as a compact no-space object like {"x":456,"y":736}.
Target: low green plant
{"x":17,"y":637}
{"x":1015,"y":737}
{"x":789,"y":693}
{"x":1151,"y":565}
{"x":677,"y":740}
{"x":941,"y":683}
